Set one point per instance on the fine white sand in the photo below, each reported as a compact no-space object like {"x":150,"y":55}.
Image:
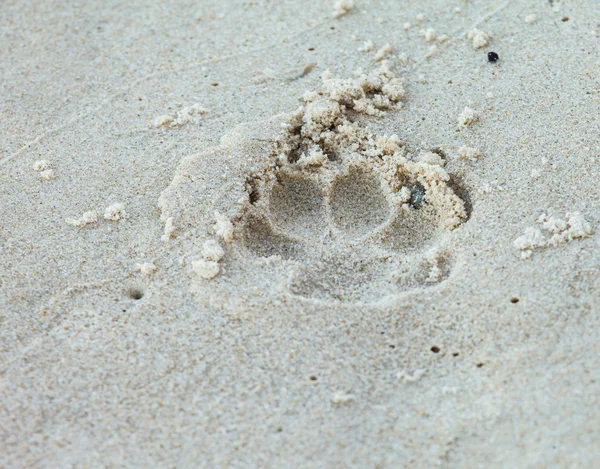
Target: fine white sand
{"x":300,"y":234}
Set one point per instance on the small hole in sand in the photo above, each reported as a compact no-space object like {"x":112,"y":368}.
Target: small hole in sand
{"x":435,"y":349}
{"x":136,"y":294}
{"x":514,"y":300}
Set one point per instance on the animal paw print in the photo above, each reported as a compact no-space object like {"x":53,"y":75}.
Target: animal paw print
{"x":352,"y":232}
{"x":321,"y":206}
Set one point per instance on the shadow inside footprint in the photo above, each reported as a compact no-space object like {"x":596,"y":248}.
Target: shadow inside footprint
{"x":358,"y":204}
{"x":411,"y":229}
{"x":296,"y":206}
{"x":342,"y":276}
{"x":259,"y":238}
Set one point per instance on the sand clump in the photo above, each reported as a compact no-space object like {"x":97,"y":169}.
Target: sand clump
{"x":428,"y":34}
{"x":342,"y":7}
{"x":169,"y":229}
{"x":554,"y":231}
{"x":208,"y":266}
{"x":146,"y":268}
{"x":212,"y":250}
{"x":531,"y":18}
{"x":384,"y":51}
{"x":206,"y":269}
{"x":44,"y":168}
{"x":468,"y":153}
{"x":87,"y":218}
{"x":186,"y":115}
{"x":478,"y":38}
{"x":341,"y":398}
{"x":367,"y":46}
{"x":468,"y":116}
{"x":115,"y":212}
{"x":223,"y":227}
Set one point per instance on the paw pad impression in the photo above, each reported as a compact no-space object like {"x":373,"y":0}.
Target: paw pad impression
{"x":332,"y":211}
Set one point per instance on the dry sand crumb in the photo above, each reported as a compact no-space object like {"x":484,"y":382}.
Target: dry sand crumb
{"x":406,"y":26}
{"x":161,"y":121}
{"x":368,"y":94}
{"x":367,"y":46}
{"x":223,"y":227}
{"x":206,"y":269}
{"x":188,"y":114}
{"x":88,"y":218}
{"x":212,"y":250}
{"x":340,"y":398}
{"x":383,"y":52}
{"x":478,"y":38}
{"x":530,"y":19}
{"x":431,"y":158}
{"x":559,"y":231}
{"x":420,"y":18}
{"x":342,"y":7}
{"x":47,"y":174}
{"x":43,"y":167}
{"x":115,"y":212}
{"x":315,"y":157}
{"x":428,"y":34}
{"x":146,"y":268}
{"x":169,"y":231}
{"x":468,"y":116}
{"x":468,"y":153}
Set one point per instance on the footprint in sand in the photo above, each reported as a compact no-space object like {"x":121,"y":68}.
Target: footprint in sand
{"x":345,"y":234}
{"x":321,"y":207}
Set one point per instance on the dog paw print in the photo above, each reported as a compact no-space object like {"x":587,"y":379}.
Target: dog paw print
{"x":321,"y":206}
{"x":348,"y":232}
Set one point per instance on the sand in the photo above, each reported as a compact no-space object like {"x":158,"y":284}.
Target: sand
{"x":291,"y":234}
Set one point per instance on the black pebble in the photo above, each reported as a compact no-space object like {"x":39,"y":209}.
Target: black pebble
{"x":493,"y":57}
